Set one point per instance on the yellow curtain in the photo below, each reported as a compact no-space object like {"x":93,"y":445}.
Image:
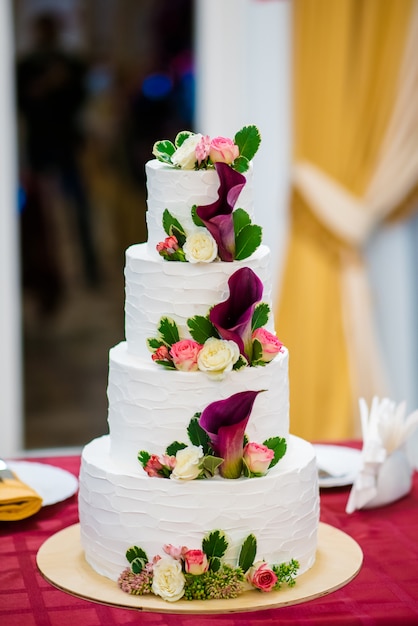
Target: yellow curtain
{"x":348,"y":61}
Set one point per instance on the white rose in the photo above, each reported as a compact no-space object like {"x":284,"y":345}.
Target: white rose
{"x":200,"y":247}
{"x":168,"y":579}
{"x":188,"y":463}
{"x":217,"y":357}
{"x":185,"y":156}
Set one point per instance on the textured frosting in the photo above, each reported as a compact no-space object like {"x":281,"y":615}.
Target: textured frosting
{"x":119,"y":509}
{"x":150,"y":407}
{"x":179,"y":190}
{"x":157,"y":288}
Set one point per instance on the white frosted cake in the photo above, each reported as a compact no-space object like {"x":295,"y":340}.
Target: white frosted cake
{"x":199,"y":474}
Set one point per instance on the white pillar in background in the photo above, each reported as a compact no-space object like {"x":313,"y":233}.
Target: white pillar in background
{"x":11,"y":427}
{"x":243,"y":76}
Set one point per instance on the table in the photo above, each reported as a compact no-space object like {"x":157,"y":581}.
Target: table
{"x":384,"y":593}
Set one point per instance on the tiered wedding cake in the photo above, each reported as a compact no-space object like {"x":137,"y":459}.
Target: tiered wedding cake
{"x":199,"y":446}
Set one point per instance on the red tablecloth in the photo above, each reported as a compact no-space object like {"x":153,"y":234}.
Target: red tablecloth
{"x":384,"y":593}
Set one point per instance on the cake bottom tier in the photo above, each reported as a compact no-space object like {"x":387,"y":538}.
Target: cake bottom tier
{"x":119,"y":509}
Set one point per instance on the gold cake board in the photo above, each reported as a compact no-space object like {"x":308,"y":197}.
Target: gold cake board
{"x":61,"y":561}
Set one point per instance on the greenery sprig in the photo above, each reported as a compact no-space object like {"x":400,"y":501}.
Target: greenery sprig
{"x":219,"y":579}
{"x":248,"y":236}
{"x":247,"y":140}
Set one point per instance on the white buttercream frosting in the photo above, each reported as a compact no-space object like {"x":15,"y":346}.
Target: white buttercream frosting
{"x":179,"y":190}
{"x":150,"y":407}
{"x":119,"y":509}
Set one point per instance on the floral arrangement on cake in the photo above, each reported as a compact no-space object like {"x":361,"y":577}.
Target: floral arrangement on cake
{"x":221,"y":232}
{"x":230,"y":337}
{"x":201,"y":574}
{"x":194,"y":151}
{"x":218,"y":445}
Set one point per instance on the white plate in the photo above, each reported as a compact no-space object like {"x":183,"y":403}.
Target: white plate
{"x":53,"y":484}
{"x":342,"y":464}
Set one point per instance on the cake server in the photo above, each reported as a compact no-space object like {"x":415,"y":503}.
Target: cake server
{"x":5,"y":472}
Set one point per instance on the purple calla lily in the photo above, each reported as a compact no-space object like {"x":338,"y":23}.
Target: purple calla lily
{"x":217,"y":217}
{"x":225,"y":422}
{"x":232,"y":318}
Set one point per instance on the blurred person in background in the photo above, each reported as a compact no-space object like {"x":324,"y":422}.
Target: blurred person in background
{"x":51,"y":97}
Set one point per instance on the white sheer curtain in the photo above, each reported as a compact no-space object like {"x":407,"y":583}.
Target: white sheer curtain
{"x":11,"y":425}
{"x":392,"y":256}
{"x":243,"y":76}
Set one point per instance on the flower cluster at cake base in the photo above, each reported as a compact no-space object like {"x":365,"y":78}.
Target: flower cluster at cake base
{"x":221,"y":232}
{"x":201,"y":574}
{"x":218,"y":445}
{"x":231,"y":336}
{"x":194,"y":151}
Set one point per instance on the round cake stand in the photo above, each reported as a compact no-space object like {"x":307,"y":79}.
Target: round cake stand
{"x":61,"y":561}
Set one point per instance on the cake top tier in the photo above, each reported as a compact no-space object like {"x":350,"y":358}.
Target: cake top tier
{"x":194,"y":151}
{"x":200,"y":198}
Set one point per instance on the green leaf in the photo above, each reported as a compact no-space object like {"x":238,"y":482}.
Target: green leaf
{"x":164,"y":150}
{"x":257,"y":351}
{"x":248,"y":140}
{"x":260,"y":316}
{"x":279,"y":446}
{"x":174,"y":447}
{"x":214,"y":564}
{"x":168,"y":331}
{"x":180,"y":235}
{"x":137,"y":558}
{"x":169,"y":365}
{"x":196,"y":219}
{"x":170,"y":222}
{"x":198,"y":436}
{"x":241,"y":164}
{"x":242,"y":362}
{"x":214,"y":544}
{"x":201,"y":328}
{"x":259,"y":363}
{"x":248,"y":552}
{"x":153,"y":343}
{"x":211,"y":464}
{"x":181,"y":137}
{"x":143,"y":457}
{"x":240,"y":219}
{"x":247,"y":241}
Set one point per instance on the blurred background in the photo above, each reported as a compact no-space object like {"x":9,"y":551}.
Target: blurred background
{"x":96,"y":84}
{"x":333,"y":88}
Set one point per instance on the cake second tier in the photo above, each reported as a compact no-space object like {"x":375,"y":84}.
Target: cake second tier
{"x":156,"y":288}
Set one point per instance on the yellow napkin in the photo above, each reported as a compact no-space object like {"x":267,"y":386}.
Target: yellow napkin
{"x":17,"y":500}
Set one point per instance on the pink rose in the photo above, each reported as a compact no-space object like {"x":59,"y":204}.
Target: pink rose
{"x":202,"y":149}
{"x":161,"y":354}
{"x":184,"y":354}
{"x":257,"y":458}
{"x":269,"y":344}
{"x":153,"y":467}
{"x":223,"y":150}
{"x":168,"y":461}
{"x":261,"y":576}
{"x":176,"y":552}
{"x":195,"y":562}
{"x":168,"y":246}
